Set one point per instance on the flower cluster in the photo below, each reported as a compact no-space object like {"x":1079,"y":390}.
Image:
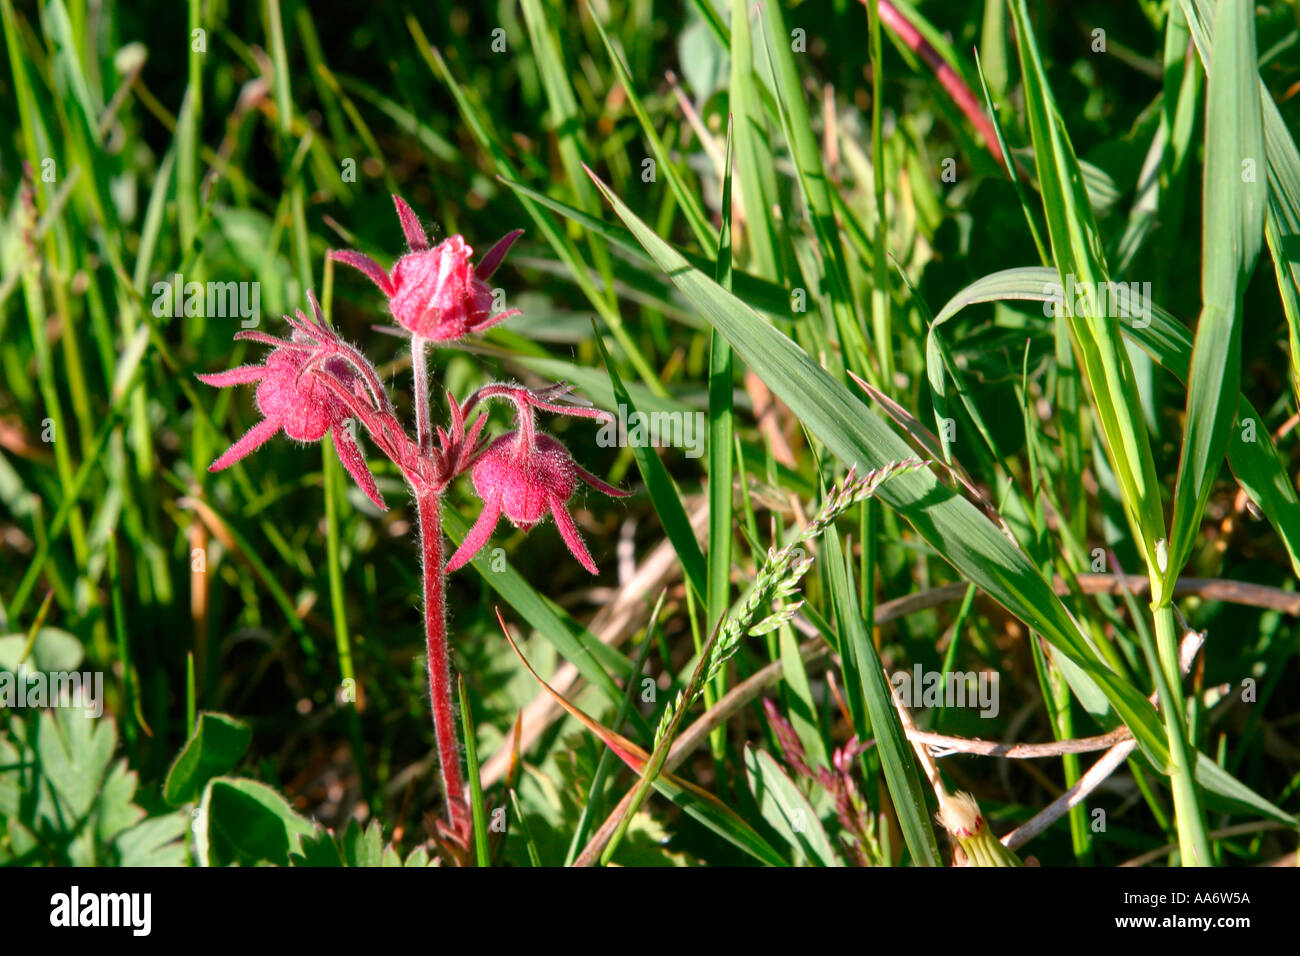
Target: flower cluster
{"x":314,"y":383}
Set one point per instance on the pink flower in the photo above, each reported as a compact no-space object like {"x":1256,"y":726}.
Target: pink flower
{"x":434,"y":293}
{"x":525,"y":479}
{"x":526,"y":473}
{"x":293,"y":394}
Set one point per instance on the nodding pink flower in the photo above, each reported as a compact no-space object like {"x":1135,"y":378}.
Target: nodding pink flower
{"x":434,"y":293}
{"x":526,"y":475}
{"x":293,"y":394}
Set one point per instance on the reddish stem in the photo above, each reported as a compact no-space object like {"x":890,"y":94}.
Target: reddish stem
{"x":962,"y":95}
{"x":420,"y":375}
{"x":429,"y":505}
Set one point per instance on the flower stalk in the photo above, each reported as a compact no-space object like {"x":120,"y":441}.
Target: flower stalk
{"x":429,"y":510}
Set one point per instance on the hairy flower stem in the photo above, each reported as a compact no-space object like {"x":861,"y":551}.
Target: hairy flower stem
{"x":428,"y":505}
{"x":428,"y":501}
{"x":420,"y":383}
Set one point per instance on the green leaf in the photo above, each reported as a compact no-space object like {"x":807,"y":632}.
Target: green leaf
{"x":74,"y":753}
{"x":363,"y":847}
{"x":114,"y":809}
{"x":317,"y":849}
{"x":248,"y":822}
{"x":861,"y":662}
{"x":419,"y":857}
{"x":215,"y":747}
{"x":157,"y":841}
{"x":1231,"y":794}
{"x":52,"y":651}
{"x":1282,"y":219}
{"x":1233,"y":200}
{"x":787,"y":810}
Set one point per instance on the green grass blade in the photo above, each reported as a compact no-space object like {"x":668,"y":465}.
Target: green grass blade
{"x":761,"y":293}
{"x":663,"y":492}
{"x":753,"y":149}
{"x":564,"y":248}
{"x":1076,"y":248}
{"x":721,"y":443}
{"x":1234,"y":199}
{"x":686,"y":198}
{"x":542,"y":20}
{"x":816,"y":188}
{"x":1256,"y":463}
{"x":787,"y":810}
{"x":477,"y":807}
{"x":896,"y":757}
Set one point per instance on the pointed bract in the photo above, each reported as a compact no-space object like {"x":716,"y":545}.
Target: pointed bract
{"x":478,"y":535}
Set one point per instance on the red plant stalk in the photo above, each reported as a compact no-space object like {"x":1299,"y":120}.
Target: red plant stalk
{"x":428,"y":505}
{"x":961,"y":94}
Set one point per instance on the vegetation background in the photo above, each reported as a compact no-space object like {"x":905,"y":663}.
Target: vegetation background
{"x":842,"y":301}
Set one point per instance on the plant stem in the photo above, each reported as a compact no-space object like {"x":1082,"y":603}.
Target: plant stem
{"x":428,"y":502}
{"x":420,"y":374}
{"x":1193,"y":843}
{"x":428,"y":505}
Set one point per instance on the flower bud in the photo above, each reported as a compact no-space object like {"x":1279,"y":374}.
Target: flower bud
{"x":434,"y":293}
{"x":524,"y":479}
{"x":961,"y":817}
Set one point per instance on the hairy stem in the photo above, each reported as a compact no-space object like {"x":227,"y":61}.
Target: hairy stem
{"x":428,"y":506}
{"x":420,"y":374}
